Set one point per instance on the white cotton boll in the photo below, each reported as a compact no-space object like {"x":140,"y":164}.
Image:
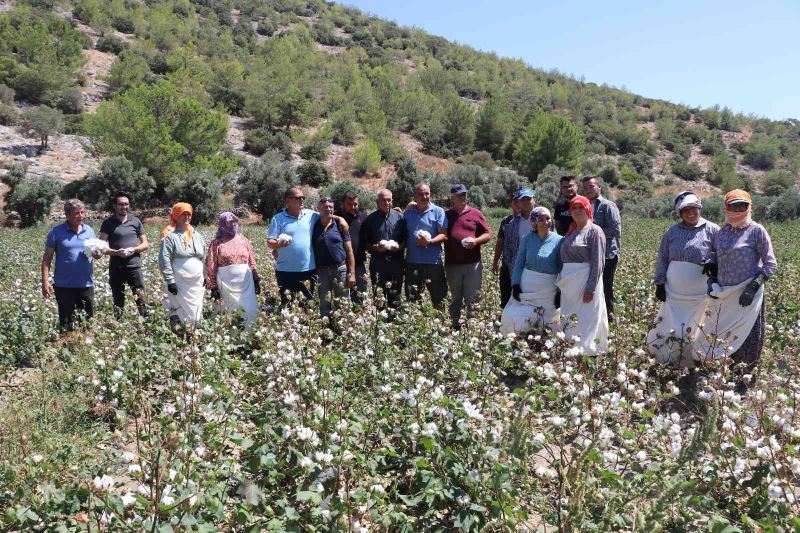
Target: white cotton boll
{"x":466,"y":241}
{"x":284,"y":238}
{"x":390,"y":245}
{"x":93,"y":246}
{"x":422,"y":234}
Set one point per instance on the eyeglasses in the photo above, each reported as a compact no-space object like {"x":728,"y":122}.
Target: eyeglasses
{"x":301,"y":198}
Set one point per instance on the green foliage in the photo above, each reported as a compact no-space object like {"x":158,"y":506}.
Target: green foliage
{"x":262,"y":184}
{"x":313,"y":174}
{"x":762,"y":151}
{"x":634,"y":184}
{"x":70,"y":101}
{"x":6,"y":94}
{"x":494,"y":129}
{"x":130,"y":70}
{"x":402,"y":185}
{"x":158,"y":129}
{"x":785,"y":207}
{"x":201,"y":188}
{"x":366,"y":157}
{"x":481,"y":158}
{"x":8,"y":115}
{"x":317,"y":150}
{"x":723,"y":167}
{"x":548,"y":140}
{"x":115,"y":174}
{"x":777,"y":182}
{"x":30,"y":196}
{"x":260,"y":140}
{"x":688,"y":170}
{"x":43,"y":122}
{"x":366,"y":198}
{"x":344,"y":126}
{"x":111,"y":43}
{"x":731,"y":182}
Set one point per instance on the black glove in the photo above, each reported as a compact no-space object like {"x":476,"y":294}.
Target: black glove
{"x":257,"y":285}
{"x":515,"y":291}
{"x":710,"y":269}
{"x":661,"y":293}
{"x":215,"y":293}
{"x":750,"y":291}
{"x":710,"y":284}
{"x":557,"y":298}
{"x":173,"y":289}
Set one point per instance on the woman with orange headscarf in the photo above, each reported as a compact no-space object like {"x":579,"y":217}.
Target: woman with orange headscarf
{"x":180,"y":261}
{"x":583,"y":253}
{"x":745,"y":261}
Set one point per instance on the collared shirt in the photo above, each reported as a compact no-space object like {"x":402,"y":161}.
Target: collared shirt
{"x":586,"y":246}
{"x":606,"y":215}
{"x":299,"y":255}
{"x":742,"y":254}
{"x":539,"y":255}
{"x":684,"y":243}
{"x":561,"y":215}
{"x":514,"y":231}
{"x":379,"y":227}
{"x":123,"y":235}
{"x":328,"y":244}
{"x":355,"y":222}
{"x":469,"y":223}
{"x":73,"y":268}
{"x":431,"y":220}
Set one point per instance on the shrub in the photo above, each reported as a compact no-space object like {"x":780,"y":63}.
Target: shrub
{"x":688,"y":170}
{"x":317,"y":150}
{"x":777,"y":182}
{"x":762,"y":152}
{"x":8,"y":115}
{"x":784,"y":207}
{"x":42,"y":121}
{"x":111,"y":43}
{"x":115,"y":174}
{"x":366,"y":198}
{"x":6,"y":94}
{"x":261,"y":140}
{"x":402,"y":186}
{"x":266,"y":27}
{"x":609,"y":175}
{"x":344,"y":126}
{"x":731,"y":181}
{"x":70,"y":101}
{"x":548,"y":140}
{"x":262,"y":184}
{"x":30,"y":196}
{"x":366,"y":157}
{"x":481,"y":158}
{"x":722,"y":166}
{"x":313,"y":174}
{"x":123,"y":24}
{"x":202,"y":189}
{"x":36,"y":82}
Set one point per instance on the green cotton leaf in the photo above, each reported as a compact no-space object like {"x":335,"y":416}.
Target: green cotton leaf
{"x":306,"y":495}
{"x":411,"y":500}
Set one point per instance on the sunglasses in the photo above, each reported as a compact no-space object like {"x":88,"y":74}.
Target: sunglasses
{"x":301,"y":198}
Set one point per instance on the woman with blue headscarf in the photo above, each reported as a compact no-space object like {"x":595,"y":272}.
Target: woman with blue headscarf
{"x":231,"y":273}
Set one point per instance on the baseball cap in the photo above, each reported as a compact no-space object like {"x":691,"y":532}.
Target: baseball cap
{"x":524,"y":193}
{"x":458,"y":188}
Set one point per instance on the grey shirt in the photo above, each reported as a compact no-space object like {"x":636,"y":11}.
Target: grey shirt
{"x":173,"y":247}
{"x":606,"y":215}
{"x":586,"y":246}
{"x":123,"y":235}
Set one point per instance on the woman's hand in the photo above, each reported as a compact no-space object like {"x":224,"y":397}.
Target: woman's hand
{"x":661,"y":293}
{"x":173,"y":289}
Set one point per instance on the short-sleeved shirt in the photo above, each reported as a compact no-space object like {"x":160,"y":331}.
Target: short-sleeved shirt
{"x":431,"y":220}
{"x":468,"y":223}
{"x":355,"y":222}
{"x":299,"y":255}
{"x":123,"y":235}
{"x":328,"y":244}
{"x":561,"y":216}
{"x":73,"y":268}
{"x":380,"y":226}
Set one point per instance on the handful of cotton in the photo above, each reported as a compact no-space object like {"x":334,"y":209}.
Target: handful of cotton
{"x":466,"y":241}
{"x":389,"y":245}
{"x":284,"y":239}
{"x":127,"y":252}
{"x":422,"y":234}
{"x":92,"y":247}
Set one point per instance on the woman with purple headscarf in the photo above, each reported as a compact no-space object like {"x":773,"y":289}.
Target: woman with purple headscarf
{"x":231,"y":269}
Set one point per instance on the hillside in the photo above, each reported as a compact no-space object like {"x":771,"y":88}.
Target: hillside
{"x":316,"y":81}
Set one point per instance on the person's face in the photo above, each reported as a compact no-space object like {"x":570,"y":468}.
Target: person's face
{"x":295,"y":201}
{"x":76,"y":216}
{"x":325,"y":209}
{"x":350,"y":205}
{"x":591,"y":189}
{"x":526,"y":204}
{"x":578,"y":214}
{"x":542,"y":224}
{"x":422,"y":195}
{"x":690,"y":215}
{"x":515,"y":206}
{"x":384,"y":202}
{"x":569,"y":188}
{"x":121,"y":206}
{"x":738,"y":208}
{"x":184,"y":219}
{"x":459,"y":201}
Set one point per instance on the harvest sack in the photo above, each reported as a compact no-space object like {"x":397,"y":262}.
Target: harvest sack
{"x":730,"y":323}
{"x":671,"y":341}
{"x":236,"y":285}
{"x":592,"y":318}
{"x":188,"y":303}
{"x":535,"y":308}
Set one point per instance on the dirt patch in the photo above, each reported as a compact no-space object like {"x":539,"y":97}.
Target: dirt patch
{"x":333,"y":50}
{"x":65,"y":158}
{"x":651,"y":129}
{"x":424,"y":161}
{"x":98,"y":68}
{"x":702,"y":160}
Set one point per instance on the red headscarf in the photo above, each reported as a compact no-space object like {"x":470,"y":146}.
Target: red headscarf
{"x":583,"y":202}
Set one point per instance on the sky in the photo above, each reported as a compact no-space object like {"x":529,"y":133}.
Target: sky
{"x":741,"y":54}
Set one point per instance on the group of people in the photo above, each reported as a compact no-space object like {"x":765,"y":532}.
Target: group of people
{"x":556,"y":270}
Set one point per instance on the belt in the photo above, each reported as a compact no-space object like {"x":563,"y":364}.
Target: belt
{"x":329,"y":267}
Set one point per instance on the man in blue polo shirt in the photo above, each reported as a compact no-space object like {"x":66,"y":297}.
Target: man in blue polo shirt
{"x":72,"y":284}
{"x":427,"y":230}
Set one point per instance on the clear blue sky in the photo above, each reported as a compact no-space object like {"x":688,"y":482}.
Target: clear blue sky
{"x":736,"y":53}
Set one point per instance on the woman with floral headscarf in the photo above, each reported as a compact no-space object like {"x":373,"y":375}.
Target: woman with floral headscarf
{"x":180,"y":261}
{"x":231,"y":269}
{"x":745,"y":261}
{"x":583,"y":253}
{"x":684,"y":259}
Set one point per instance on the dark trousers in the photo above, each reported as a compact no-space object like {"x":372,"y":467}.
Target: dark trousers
{"x":117,"y":279}
{"x":390,"y":283}
{"x":505,"y":285}
{"x":293,"y":284}
{"x":421,"y":276}
{"x":70,"y":300}
{"x":608,"y":285}
{"x":357,"y":293}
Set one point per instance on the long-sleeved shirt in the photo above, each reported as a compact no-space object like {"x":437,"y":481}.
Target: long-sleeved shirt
{"x":539,"y":255}
{"x":518,"y":227}
{"x":173,"y":247}
{"x":355,"y":222}
{"x":379,"y":227}
{"x":606,"y":215}
{"x":587,"y":245}
{"x":742,"y":254}
{"x":237,"y":250}
{"x":684,"y":243}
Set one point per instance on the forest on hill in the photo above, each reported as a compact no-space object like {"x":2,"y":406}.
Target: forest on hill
{"x":308,"y":80}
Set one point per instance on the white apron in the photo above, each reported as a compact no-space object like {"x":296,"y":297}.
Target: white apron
{"x":188,"y":303}
{"x":592,"y":318}
{"x":729,"y":323}
{"x":535,"y":310}
{"x":671,"y":341}
{"x":236,"y":285}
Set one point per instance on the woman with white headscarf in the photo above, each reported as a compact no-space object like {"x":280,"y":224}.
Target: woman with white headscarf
{"x":533,"y":278}
{"x":684,"y":259}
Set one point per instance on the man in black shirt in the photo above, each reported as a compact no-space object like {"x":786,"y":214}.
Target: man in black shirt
{"x":499,"y":265}
{"x":569,"y":188}
{"x":386,"y":265}
{"x":354,"y":218}
{"x":126,"y":241}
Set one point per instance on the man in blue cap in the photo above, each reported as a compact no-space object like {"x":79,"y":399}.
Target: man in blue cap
{"x":519,"y":226}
